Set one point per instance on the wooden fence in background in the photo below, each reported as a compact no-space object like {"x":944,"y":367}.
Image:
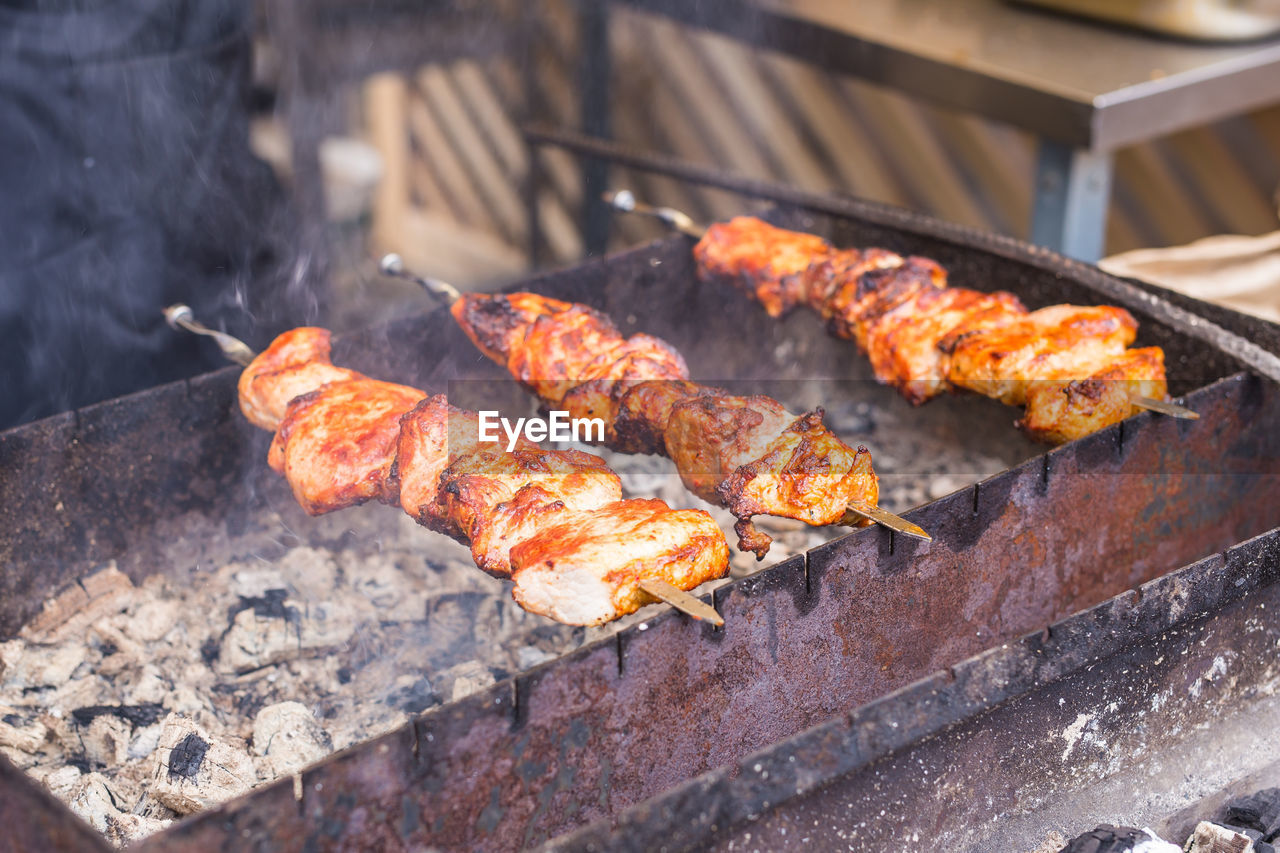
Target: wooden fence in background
{"x":452,"y":202}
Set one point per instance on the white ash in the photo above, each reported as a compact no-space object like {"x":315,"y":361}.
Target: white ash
{"x":193,"y":770}
{"x":287,"y":738}
{"x":100,"y":688}
{"x":1212,"y":838}
{"x":271,"y":664}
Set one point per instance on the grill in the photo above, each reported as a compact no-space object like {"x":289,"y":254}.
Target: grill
{"x":1088,"y":614}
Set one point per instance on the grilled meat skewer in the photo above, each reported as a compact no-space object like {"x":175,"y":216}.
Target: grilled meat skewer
{"x":748,"y":453}
{"x":1067,"y":364}
{"x":574,"y":359}
{"x":554,"y":522}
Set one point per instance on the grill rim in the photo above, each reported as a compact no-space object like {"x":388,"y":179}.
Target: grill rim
{"x":772,"y":574}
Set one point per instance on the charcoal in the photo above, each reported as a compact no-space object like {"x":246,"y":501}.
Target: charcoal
{"x":1252,"y":834}
{"x":1106,"y":838}
{"x":271,"y":630}
{"x":185,"y":758}
{"x":75,"y":608}
{"x":136,"y":715}
{"x":93,"y":800}
{"x":1259,"y":811}
{"x":60,"y":780}
{"x":43,"y":666}
{"x":99,"y":805}
{"x":462,"y":680}
{"x":150,"y":689}
{"x":144,"y":742}
{"x":412,"y":695}
{"x":151,"y":620}
{"x":194,"y":770}
{"x":153,"y":689}
{"x":1212,"y":838}
{"x":21,"y":733}
{"x":270,"y":605}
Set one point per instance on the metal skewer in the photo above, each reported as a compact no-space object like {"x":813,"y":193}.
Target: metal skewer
{"x":239,"y":352}
{"x":394,"y":266}
{"x":682,"y":601}
{"x":897,"y":523}
{"x":181,"y":316}
{"x":1173,"y":410}
{"x":626,"y":201}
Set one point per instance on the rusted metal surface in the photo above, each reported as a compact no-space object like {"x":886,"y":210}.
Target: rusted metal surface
{"x":588,"y":736}
{"x":592,"y":735}
{"x":954,"y":760}
{"x":32,"y":821}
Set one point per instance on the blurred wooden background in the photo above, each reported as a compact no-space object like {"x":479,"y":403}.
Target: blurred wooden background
{"x":453,"y":161}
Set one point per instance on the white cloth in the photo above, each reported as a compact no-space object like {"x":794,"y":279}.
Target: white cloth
{"x":1239,"y":272}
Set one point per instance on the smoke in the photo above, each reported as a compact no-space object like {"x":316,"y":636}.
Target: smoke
{"x":129,"y":185}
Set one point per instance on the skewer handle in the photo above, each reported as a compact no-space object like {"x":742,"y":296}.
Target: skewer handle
{"x":393,"y":265}
{"x":626,"y":201}
{"x":1173,"y":410}
{"x":181,"y":316}
{"x":682,"y":601}
{"x":889,"y":520}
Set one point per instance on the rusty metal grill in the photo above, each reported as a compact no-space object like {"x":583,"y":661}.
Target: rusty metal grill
{"x":839,"y":674}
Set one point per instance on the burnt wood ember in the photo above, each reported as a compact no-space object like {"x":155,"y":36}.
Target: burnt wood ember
{"x":1212,"y":838}
{"x":1259,"y":812}
{"x":844,"y":672}
{"x":136,"y":715}
{"x":186,"y":757}
{"x":1119,"y":839}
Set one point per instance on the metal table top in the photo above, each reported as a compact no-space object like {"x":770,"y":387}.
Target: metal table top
{"x":1080,"y":83}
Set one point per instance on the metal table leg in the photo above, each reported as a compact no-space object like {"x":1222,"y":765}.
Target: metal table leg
{"x":594,"y":70}
{"x":1073,"y":188}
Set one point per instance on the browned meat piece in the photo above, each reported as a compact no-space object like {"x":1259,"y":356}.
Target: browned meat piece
{"x":496,"y":322}
{"x":857,"y":302}
{"x":768,"y":263}
{"x":756,"y":458}
{"x":806,"y":473}
{"x":498,"y":499}
{"x":433,"y":436}
{"x":640,"y":424}
{"x":902,"y":343}
{"x":606,"y":381}
{"x":1051,"y":343}
{"x":570,"y":355}
{"x":711,"y":437}
{"x":553,"y":355}
{"x":922,"y":337}
{"x":295,"y":363}
{"x":1061,"y":410}
{"x":830,"y":271}
{"x":336,"y":445}
{"x":422,"y":454}
{"x":587,"y":569}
